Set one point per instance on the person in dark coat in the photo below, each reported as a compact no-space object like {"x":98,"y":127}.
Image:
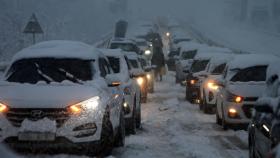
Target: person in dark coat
{"x":159,"y":61}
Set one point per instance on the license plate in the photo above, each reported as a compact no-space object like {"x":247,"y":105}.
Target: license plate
{"x":36,"y":136}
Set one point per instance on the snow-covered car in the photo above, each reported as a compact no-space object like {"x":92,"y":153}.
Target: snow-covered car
{"x":149,"y":71}
{"x":187,"y":52}
{"x":146,"y":48}
{"x":208,"y":88}
{"x":240,"y":86}
{"x":61,"y":96}
{"x":130,"y":88}
{"x":196,"y":75}
{"x":138,"y":74}
{"x":124,"y":44}
{"x":264,"y":129}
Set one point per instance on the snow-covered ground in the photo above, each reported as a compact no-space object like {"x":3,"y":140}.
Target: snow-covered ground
{"x":172,"y":127}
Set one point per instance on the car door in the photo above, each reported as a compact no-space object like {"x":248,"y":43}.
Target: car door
{"x":114,"y":92}
{"x":262,"y":134}
{"x":221,"y":94}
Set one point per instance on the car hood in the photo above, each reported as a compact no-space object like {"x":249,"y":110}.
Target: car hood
{"x":254,"y":89}
{"x":45,"y":96}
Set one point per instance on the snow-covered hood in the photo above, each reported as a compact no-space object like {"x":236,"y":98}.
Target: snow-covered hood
{"x":45,"y":96}
{"x":251,"y":89}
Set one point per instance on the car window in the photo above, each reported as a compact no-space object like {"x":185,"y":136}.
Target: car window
{"x":127,"y":62}
{"x":50,"y":70}
{"x":219,"y":69}
{"x":256,"y":73}
{"x":199,"y":65}
{"x":188,"y":54}
{"x":115,"y":64}
{"x":134,"y":63}
{"x":103,"y":67}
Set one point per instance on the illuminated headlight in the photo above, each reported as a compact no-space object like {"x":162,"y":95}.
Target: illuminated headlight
{"x":212,"y":86}
{"x":149,"y":76}
{"x":147,"y":52}
{"x":167,"y":34}
{"x":3,"y":108}
{"x":151,"y":44}
{"x":90,"y":104}
{"x":140,"y":81}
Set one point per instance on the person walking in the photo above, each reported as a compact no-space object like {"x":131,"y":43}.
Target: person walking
{"x":159,"y":61}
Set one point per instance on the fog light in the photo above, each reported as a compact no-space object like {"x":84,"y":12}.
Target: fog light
{"x":126,"y":108}
{"x":197,"y":101}
{"x":87,"y":126}
{"x":232,"y":113}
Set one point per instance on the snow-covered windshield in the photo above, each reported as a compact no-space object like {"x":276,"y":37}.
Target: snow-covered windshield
{"x":189,"y":54}
{"x":256,"y":73}
{"x":199,"y":65}
{"x":115,"y":64}
{"x":50,"y":70}
{"x":134,"y":63}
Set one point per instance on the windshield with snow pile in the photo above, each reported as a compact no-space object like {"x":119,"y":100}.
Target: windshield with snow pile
{"x":219,"y":69}
{"x":256,"y":73}
{"x":50,"y":70}
{"x":199,"y":65}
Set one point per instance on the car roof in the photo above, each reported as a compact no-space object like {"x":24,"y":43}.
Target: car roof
{"x":58,"y":49}
{"x":206,"y":56}
{"x":187,"y":46}
{"x":248,"y":60}
{"x":122,"y":40}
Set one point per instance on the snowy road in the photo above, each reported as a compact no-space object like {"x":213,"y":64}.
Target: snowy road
{"x":173,"y":127}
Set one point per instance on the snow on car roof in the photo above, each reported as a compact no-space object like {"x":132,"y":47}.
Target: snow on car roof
{"x":206,"y":56}
{"x":247,"y":60}
{"x":218,"y":59}
{"x":213,"y":50}
{"x":58,"y":49}
{"x":112,"y":52}
{"x":187,"y":46}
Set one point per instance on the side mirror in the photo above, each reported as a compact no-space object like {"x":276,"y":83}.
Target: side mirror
{"x":264,"y":108}
{"x":112,"y":81}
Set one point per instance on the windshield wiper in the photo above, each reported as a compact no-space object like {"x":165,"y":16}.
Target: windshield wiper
{"x":70,"y":76}
{"x":46,"y":77}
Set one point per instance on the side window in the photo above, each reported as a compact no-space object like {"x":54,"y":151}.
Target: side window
{"x":127,"y":62}
{"x":107,"y":66}
{"x":102,"y":67}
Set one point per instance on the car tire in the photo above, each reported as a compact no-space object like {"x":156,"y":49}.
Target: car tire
{"x":120,"y":137}
{"x":107,"y":137}
{"x":252,"y":149}
{"x":218,"y":119}
{"x":131,"y":125}
{"x":138,"y":117}
{"x":224,"y":123}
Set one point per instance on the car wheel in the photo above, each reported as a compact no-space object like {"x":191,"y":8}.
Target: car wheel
{"x":224,"y":123}
{"x":218,"y":119}
{"x":107,"y":137}
{"x":131,"y":125}
{"x":120,"y":137}
{"x":138,"y":117}
{"x":252,"y":149}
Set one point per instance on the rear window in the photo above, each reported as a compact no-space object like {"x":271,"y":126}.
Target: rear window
{"x":115,"y":64}
{"x":189,"y":54}
{"x":256,"y":73}
{"x":199,"y":65}
{"x":50,"y":70}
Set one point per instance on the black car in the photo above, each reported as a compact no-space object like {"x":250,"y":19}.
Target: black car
{"x":264,"y":131}
{"x":193,"y":81}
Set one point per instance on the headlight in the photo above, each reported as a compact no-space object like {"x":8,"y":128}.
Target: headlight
{"x":193,"y":82}
{"x":149,"y":76}
{"x":212,"y":86}
{"x":90,"y":104}
{"x":234,"y":98}
{"x":3,"y":108}
{"x":147,"y":52}
{"x":167,"y":34}
{"x":140,"y":81}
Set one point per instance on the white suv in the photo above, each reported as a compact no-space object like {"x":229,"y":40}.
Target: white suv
{"x":242,"y":83}
{"x":130,"y":88}
{"x":60,"y":95}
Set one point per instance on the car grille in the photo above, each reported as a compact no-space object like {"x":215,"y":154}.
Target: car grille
{"x":247,"y":109}
{"x":251,"y":99}
{"x":16,"y":116}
